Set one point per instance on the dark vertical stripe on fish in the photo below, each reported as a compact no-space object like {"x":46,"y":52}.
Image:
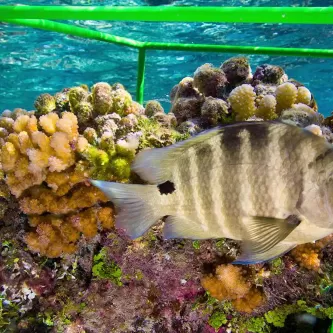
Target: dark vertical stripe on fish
{"x":230,"y":177}
{"x":204,"y":160}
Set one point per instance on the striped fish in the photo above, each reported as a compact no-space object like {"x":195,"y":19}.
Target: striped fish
{"x":268,"y":184}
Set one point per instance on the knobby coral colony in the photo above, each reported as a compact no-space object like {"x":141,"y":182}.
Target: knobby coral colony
{"x":48,"y":154}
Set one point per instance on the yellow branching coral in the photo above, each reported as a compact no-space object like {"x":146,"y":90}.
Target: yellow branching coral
{"x":267,"y":107}
{"x":230,"y":283}
{"x":286,"y":96}
{"x":242,"y":100}
{"x":56,"y":235}
{"x":303,"y":95}
{"x":308,"y":255}
{"x":29,"y":154}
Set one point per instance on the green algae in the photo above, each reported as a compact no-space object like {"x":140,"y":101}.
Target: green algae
{"x":103,"y":268}
{"x":217,"y":319}
{"x":196,"y":244}
{"x":277,"y":266}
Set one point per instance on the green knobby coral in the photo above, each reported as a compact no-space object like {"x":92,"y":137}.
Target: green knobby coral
{"x":83,"y":111}
{"x":44,"y":104}
{"x":109,"y":161}
{"x":103,"y":268}
{"x":76,"y":96}
{"x":122,"y":100}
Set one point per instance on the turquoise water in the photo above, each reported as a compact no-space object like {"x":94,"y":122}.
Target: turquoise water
{"x":34,"y":61}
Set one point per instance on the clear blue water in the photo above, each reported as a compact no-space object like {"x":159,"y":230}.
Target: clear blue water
{"x":34,"y":61}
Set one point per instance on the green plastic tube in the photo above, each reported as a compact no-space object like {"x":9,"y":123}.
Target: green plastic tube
{"x":303,"y":52}
{"x":77,"y":31}
{"x":141,"y":75}
{"x":294,"y":15}
{"x":93,"y":34}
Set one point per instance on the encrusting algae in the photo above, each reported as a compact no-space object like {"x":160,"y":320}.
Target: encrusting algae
{"x":47,"y":158}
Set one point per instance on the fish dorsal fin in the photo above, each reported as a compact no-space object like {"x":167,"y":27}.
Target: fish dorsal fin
{"x":155,"y":165}
{"x":264,"y":233}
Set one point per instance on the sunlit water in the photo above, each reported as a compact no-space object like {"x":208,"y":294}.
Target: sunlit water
{"x":34,"y":61}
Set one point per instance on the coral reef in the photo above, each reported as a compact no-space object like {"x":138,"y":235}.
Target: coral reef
{"x":221,"y":95}
{"x":65,"y":268}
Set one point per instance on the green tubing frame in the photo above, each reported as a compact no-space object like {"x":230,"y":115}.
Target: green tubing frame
{"x":38,"y":16}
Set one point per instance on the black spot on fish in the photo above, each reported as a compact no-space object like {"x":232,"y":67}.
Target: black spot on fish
{"x":167,"y":187}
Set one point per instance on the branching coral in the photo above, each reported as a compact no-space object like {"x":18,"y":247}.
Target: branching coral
{"x":29,"y":154}
{"x":286,"y":96}
{"x":242,"y":100}
{"x":44,"y":104}
{"x":230,"y":283}
{"x":267,"y":107}
{"x":40,"y":200}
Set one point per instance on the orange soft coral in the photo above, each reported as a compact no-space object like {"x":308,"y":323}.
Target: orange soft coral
{"x":40,"y":200}
{"x":308,"y":255}
{"x":230,"y":283}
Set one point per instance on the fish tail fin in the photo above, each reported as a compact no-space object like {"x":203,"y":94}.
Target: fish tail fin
{"x":140,"y":206}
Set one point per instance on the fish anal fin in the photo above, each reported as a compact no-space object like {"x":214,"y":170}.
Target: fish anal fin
{"x":273,"y":253}
{"x":264,"y":233}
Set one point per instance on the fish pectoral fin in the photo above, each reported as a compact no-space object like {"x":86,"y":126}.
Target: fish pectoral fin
{"x":155,"y":165}
{"x":273,"y":253}
{"x":180,"y":227}
{"x":264,"y":233}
